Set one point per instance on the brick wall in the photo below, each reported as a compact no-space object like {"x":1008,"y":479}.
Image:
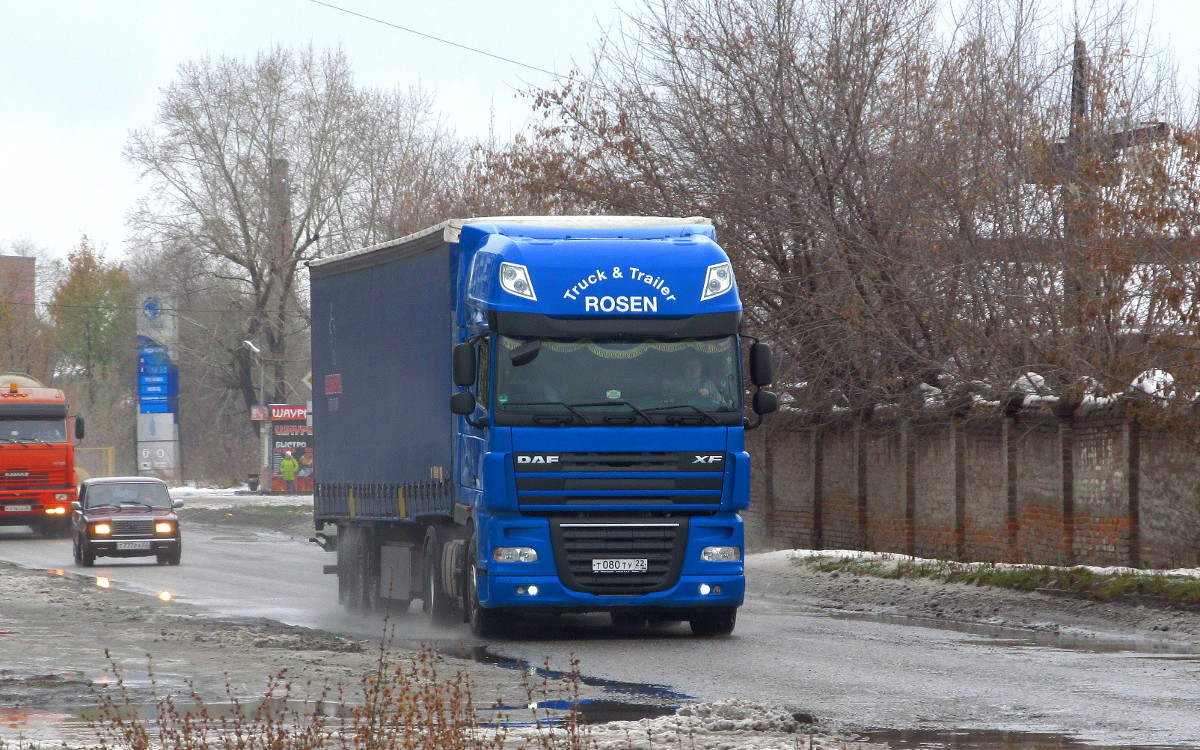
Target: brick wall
{"x":1092,"y":486}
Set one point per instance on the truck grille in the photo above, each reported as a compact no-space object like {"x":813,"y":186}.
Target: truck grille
{"x":660,"y":543}
{"x":20,"y":479}
{"x":133,"y":528}
{"x":575,"y":479}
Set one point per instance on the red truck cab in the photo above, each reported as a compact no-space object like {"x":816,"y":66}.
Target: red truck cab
{"x":37,"y":456}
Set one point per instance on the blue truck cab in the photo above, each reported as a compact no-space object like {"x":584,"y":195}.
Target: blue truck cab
{"x":536,"y":414}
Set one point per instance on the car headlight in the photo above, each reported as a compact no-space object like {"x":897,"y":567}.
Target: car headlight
{"x":721,"y":554}
{"x":717,"y":281}
{"x":514,"y":554}
{"x":164,"y":527}
{"x":514,"y":278}
{"x":102,"y":528}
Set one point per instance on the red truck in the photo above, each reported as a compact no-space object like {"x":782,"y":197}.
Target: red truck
{"x":37,"y":458}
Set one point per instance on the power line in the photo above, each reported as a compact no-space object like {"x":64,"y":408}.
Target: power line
{"x":438,"y":39}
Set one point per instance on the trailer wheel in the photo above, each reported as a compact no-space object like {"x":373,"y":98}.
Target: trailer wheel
{"x":350,"y":567}
{"x":713,"y":622}
{"x":485,"y":622}
{"x":368,"y":571}
{"x":343,"y":563}
{"x":435,"y":601}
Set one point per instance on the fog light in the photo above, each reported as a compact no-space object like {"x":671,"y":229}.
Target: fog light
{"x":514,"y":554}
{"x":705,"y":589}
{"x":721,"y":554}
{"x":56,"y":511}
{"x":527,"y":590}
{"x":533,"y":590}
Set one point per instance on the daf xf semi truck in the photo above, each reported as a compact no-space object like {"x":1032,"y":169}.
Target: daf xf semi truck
{"x":536,"y":415}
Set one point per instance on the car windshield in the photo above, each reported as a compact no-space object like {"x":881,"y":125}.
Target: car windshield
{"x":116,"y":494}
{"x":32,"y":430}
{"x":617,"y":383}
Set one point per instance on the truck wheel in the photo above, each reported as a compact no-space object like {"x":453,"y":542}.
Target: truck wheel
{"x":485,"y":622}
{"x":714,"y":622}
{"x":343,"y":563}
{"x":436,"y":604}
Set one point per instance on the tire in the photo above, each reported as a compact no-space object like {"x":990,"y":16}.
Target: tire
{"x":436,"y":603}
{"x":75,"y":551}
{"x":87,"y":558}
{"x":714,"y":622}
{"x":485,"y":622}
{"x":54,"y":529}
{"x":350,"y":564}
{"x":171,"y":557}
{"x":368,"y":571}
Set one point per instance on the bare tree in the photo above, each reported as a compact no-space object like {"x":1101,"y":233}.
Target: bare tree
{"x":255,"y":167}
{"x":875,"y":176}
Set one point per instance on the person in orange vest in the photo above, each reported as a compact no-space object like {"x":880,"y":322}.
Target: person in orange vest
{"x":288,"y":468}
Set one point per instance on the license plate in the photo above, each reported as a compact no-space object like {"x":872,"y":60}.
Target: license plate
{"x":133,"y":545}
{"x":618,"y":565}
{"x":18,"y":508}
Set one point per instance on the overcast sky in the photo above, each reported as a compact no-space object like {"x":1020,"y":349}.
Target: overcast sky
{"x":77,"y":75}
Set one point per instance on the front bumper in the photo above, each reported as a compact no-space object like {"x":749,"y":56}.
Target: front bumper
{"x":502,"y":591}
{"x":113,"y":547}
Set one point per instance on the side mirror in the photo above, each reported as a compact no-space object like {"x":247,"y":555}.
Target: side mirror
{"x":75,"y":506}
{"x":79,"y":428}
{"x":464,"y":366}
{"x":463,"y":402}
{"x":176,"y":504}
{"x":760,"y":364}
{"x":765,"y":402}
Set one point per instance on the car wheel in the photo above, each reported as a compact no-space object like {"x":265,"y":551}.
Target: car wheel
{"x":87,"y":558}
{"x":75,"y":551}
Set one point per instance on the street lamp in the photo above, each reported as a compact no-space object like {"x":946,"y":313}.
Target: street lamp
{"x":264,"y":470}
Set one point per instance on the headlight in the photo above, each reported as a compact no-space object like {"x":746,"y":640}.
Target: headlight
{"x":514,"y":278}
{"x":61,"y":497}
{"x":164,"y":528}
{"x":717,"y":281}
{"x":721,"y":554}
{"x":102,"y":528}
{"x":514,"y":554}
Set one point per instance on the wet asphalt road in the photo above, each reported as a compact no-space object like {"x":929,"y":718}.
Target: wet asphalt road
{"x":859,"y":671}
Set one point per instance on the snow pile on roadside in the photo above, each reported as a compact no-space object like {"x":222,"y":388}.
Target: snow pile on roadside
{"x":786,"y":557}
{"x":725,"y":725}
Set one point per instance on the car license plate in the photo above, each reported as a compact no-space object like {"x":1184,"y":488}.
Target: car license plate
{"x":18,"y":508}
{"x":619,"y":565}
{"x":133,"y":545}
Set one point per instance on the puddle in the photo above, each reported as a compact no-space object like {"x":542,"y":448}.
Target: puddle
{"x":969,"y":739}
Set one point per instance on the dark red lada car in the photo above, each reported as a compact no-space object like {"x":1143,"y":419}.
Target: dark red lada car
{"x":125,"y":517}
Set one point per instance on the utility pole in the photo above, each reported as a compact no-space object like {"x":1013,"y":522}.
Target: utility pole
{"x":1082,"y":164}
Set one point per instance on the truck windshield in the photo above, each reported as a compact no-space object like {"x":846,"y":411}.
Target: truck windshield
{"x":617,"y":383}
{"x":32,"y":430}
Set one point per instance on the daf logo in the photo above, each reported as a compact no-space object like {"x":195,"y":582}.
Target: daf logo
{"x":708,"y":459}
{"x":537,"y":459}
{"x":16,"y":473}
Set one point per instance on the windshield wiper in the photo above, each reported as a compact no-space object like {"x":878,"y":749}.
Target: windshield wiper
{"x":699,"y":411}
{"x":633,"y":408}
{"x":551,"y":417}
{"x":136,"y":502}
